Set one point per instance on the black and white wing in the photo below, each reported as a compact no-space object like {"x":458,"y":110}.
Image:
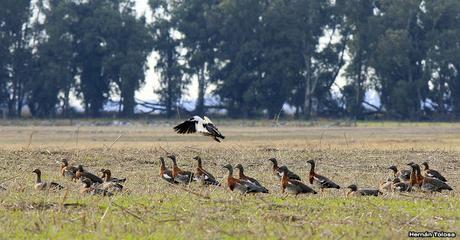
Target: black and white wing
{"x":435,"y":174}
{"x":325,"y":182}
{"x":212,"y":129}
{"x":187,"y":127}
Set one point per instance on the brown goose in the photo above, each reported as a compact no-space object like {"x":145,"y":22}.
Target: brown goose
{"x":107,"y":174}
{"x":203,"y":175}
{"x":241,"y":185}
{"x":414,"y":179}
{"x":277,"y":172}
{"x":319,"y":180}
{"x":39,"y":185}
{"x":426,"y":183}
{"x":291,"y":185}
{"x":402,"y":174}
{"x":81,"y":173}
{"x":166,"y":174}
{"x":243,"y":177}
{"x":179,"y":175}
{"x":427,"y":172}
{"x":88,"y":188}
{"x":362,"y":192}
{"x":68,"y":170}
{"x":109,"y":183}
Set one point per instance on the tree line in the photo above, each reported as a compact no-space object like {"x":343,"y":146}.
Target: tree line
{"x":320,"y":57}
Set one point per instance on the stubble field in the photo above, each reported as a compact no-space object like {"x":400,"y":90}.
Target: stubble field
{"x":150,"y":208}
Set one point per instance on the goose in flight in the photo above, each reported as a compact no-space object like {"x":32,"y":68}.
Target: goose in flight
{"x":200,"y":125}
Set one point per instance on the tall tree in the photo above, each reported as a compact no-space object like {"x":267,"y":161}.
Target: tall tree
{"x":125,"y":63}
{"x":167,"y":46}
{"x":56,"y":65}
{"x":442,"y":66}
{"x":194,"y":19}
{"x":16,"y":51}
{"x":239,"y":56}
{"x":398,"y":57}
{"x":360,"y":19}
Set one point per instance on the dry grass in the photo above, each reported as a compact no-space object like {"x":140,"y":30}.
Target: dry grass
{"x":150,"y":208}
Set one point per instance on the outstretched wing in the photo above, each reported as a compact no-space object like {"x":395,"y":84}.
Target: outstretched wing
{"x":186,"y":127}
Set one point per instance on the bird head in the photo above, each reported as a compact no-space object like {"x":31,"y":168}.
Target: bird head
{"x":228,"y":167}
{"x":311,"y":161}
{"x":353,"y":187}
{"x":393,"y":168}
{"x":239,"y":166}
{"x":37,"y":171}
{"x":425,"y":164}
{"x":197,"y":158}
{"x":273,"y":160}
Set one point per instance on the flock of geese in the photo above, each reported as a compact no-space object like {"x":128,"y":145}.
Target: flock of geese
{"x":104,"y":184}
{"x":403,"y":181}
{"x":428,"y":180}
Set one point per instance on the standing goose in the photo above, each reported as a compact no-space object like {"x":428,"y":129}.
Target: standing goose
{"x":241,"y":185}
{"x":319,"y":180}
{"x":203,"y":175}
{"x":402,"y":174}
{"x":414,"y":180}
{"x":68,"y":170}
{"x":166,"y":174}
{"x":362,"y":192}
{"x":178,"y":174}
{"x":426,"y":183}
{"x":81,"y":173}
{"x":427,"y":172}
{"x":243,"y":177}
{"x":292,"y":185}
{"x":89,"y":189}
{"x":39,"y":185}
{"x":197,"y":124}
{"x":278,"y":172}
